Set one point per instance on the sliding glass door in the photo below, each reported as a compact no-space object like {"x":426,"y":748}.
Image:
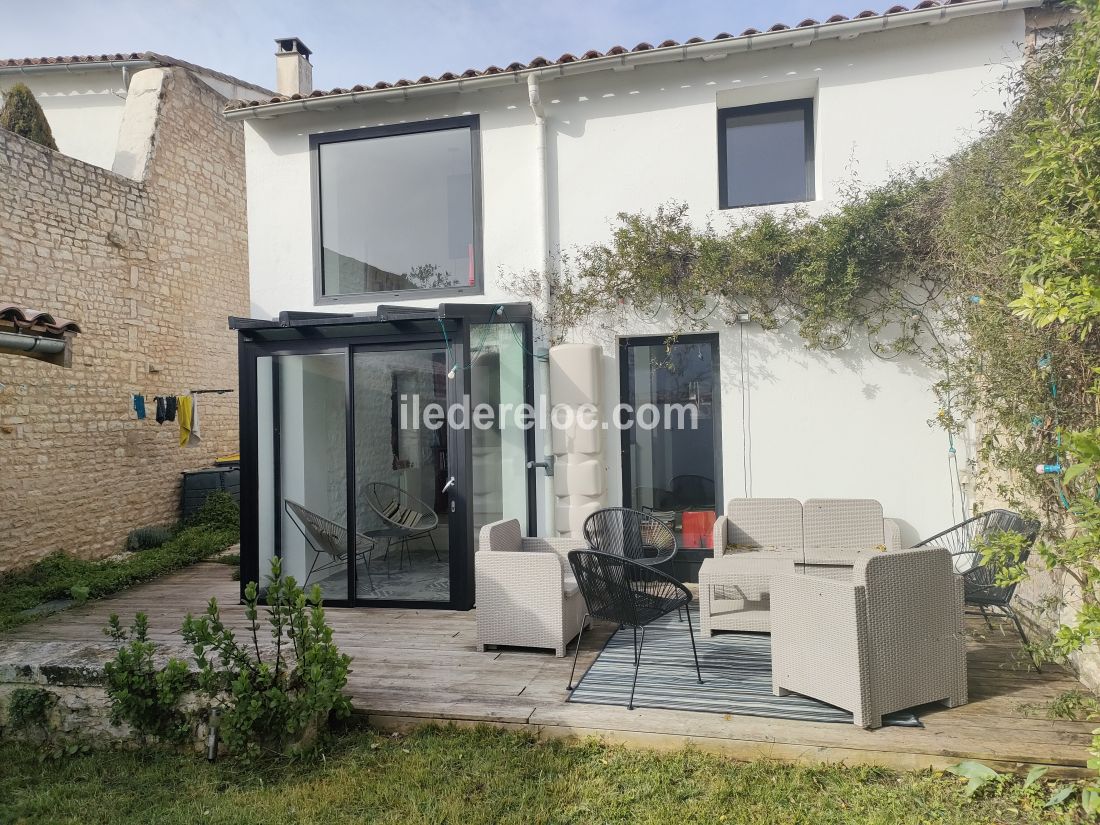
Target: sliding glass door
{"x":671,"y":450}
{"x":302,"y":430}
{"x":403,"y":491}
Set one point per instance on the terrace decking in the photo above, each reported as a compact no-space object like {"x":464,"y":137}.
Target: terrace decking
{"x":416,"y":666}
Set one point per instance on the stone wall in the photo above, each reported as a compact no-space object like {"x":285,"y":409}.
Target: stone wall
{"x":150,"y":269}
{"x":73,"y":679}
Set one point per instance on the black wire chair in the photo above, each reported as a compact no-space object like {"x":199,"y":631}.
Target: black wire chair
{"x":632,"y":534}
{"x":980,"y":580}
{"x":631,"y":594}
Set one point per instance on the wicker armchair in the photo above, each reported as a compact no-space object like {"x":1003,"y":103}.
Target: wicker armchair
{"x":631,"y":594}
{"x":526,"y":593}
{"x":631,"y":534}
{"x":981,"y":588}
{"x":889,"y":639}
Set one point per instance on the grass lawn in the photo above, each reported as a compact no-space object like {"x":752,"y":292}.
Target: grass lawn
{"x":462,"y":776}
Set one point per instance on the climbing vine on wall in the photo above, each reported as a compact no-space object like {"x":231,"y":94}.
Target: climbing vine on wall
{"x":986,"y":267}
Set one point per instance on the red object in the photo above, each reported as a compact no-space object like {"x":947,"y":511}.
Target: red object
{"x":470,"y":257}
{"x":697,"y":528}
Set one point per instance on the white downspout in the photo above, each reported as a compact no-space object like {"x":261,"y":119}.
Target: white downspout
{"x":542,"y":229}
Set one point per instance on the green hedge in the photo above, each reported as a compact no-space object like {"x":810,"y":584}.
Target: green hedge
{"x":55,"y":575}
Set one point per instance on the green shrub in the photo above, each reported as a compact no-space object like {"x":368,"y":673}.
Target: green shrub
{"x":279,"y":698}
{"x":143,"y":695}
{"x":218,"y":512}
{"x":55,"y":576}
{"x":29,"y":707}
{"x":22,"y":114}
{"x":144,"y":538}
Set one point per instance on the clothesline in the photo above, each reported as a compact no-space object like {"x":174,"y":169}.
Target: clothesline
{"x":184,"y":408}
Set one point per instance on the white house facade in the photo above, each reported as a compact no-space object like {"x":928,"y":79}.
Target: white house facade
{"x":401,"y":198}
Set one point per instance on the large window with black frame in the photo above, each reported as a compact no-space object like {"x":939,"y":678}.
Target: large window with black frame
{"x":397,"y":210}
{"x":766,"y":154}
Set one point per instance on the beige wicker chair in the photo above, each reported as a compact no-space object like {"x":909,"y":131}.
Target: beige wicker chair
{"x":889,"y":639}
{"x":525,"y":590}
{"x":733,"y":591}
{"x":759,"y":523}
{"x":819,"y":528}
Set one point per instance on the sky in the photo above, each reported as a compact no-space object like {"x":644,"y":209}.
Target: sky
{"x":372,"y":40}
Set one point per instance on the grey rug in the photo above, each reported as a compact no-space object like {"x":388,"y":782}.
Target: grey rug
{"x":737,"y":676}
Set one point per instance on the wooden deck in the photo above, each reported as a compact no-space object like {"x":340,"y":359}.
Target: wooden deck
{"x":414,"y":666}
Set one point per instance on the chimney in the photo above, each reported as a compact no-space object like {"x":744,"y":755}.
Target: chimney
{"x":293,"y":72}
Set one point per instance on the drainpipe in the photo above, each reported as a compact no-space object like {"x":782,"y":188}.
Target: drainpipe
{"x":30,"y":343}
{"x":542,"y":222}
{"x":542,"y":227}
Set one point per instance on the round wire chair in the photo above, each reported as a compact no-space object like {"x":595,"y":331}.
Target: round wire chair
{"x":631,"y":594}
{"x":405,"y":517}
{"x":982,"y":580}
{"x":632,"y":534}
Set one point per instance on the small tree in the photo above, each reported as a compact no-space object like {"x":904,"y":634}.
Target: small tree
{"x":22,"y":114}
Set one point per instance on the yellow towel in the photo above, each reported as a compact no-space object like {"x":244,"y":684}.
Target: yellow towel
{"x":183,"y":415}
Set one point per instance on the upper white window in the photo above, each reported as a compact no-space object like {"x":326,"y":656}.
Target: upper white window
{"x":766,"y":154}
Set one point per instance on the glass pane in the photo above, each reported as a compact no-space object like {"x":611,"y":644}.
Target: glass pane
{"x":269,"y":505}
{"x":397,"y":213}
{"x":400,"y":471}
{"x":672,"y":468}
{"x":310,"y":438}
{"x":498,"y":441}
{"x":766,"y":157}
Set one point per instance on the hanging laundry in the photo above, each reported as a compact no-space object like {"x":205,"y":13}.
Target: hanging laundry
{"x":196,"y":435}
{"x":161,"y":407}
{"x":170,"y":406}
{"x":184,"y":410}
{"x":139,"y":407}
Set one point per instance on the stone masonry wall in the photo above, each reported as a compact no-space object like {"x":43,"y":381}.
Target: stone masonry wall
{"x":150,"y":270}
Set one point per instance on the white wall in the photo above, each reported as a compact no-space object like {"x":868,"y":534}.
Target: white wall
{"x":84,"y":109}
{"x":838,"y":424}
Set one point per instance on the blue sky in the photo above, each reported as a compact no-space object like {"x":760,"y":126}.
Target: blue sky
{"x":371,"y":40}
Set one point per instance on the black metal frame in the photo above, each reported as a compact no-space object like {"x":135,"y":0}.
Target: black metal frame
{"x":367,"y":334}
{"x":804,"y":105}
{"x":612,"y":595}
{"x":688,"y":559}
{"x":316,"y":141}
{"x":608,"y":530}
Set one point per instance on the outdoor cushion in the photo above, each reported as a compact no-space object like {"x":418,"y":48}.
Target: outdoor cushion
{"x":403,"y":516}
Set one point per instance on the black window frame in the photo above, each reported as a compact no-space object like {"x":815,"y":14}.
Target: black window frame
{"x":319,"y":139}
{"x":806,"y":107}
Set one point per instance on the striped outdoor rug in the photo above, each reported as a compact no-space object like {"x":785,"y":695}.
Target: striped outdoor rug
{"x":737,"y":676}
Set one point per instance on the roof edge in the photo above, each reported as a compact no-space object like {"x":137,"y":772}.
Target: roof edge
{"x":927,"y":12}
{"x":129,"y":60}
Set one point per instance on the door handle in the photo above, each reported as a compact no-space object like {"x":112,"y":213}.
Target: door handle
{"x":450,"y":483}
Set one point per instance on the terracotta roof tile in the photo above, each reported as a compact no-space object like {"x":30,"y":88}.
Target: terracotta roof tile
{"x":36,"y":320}
{"x":615,"y":50}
